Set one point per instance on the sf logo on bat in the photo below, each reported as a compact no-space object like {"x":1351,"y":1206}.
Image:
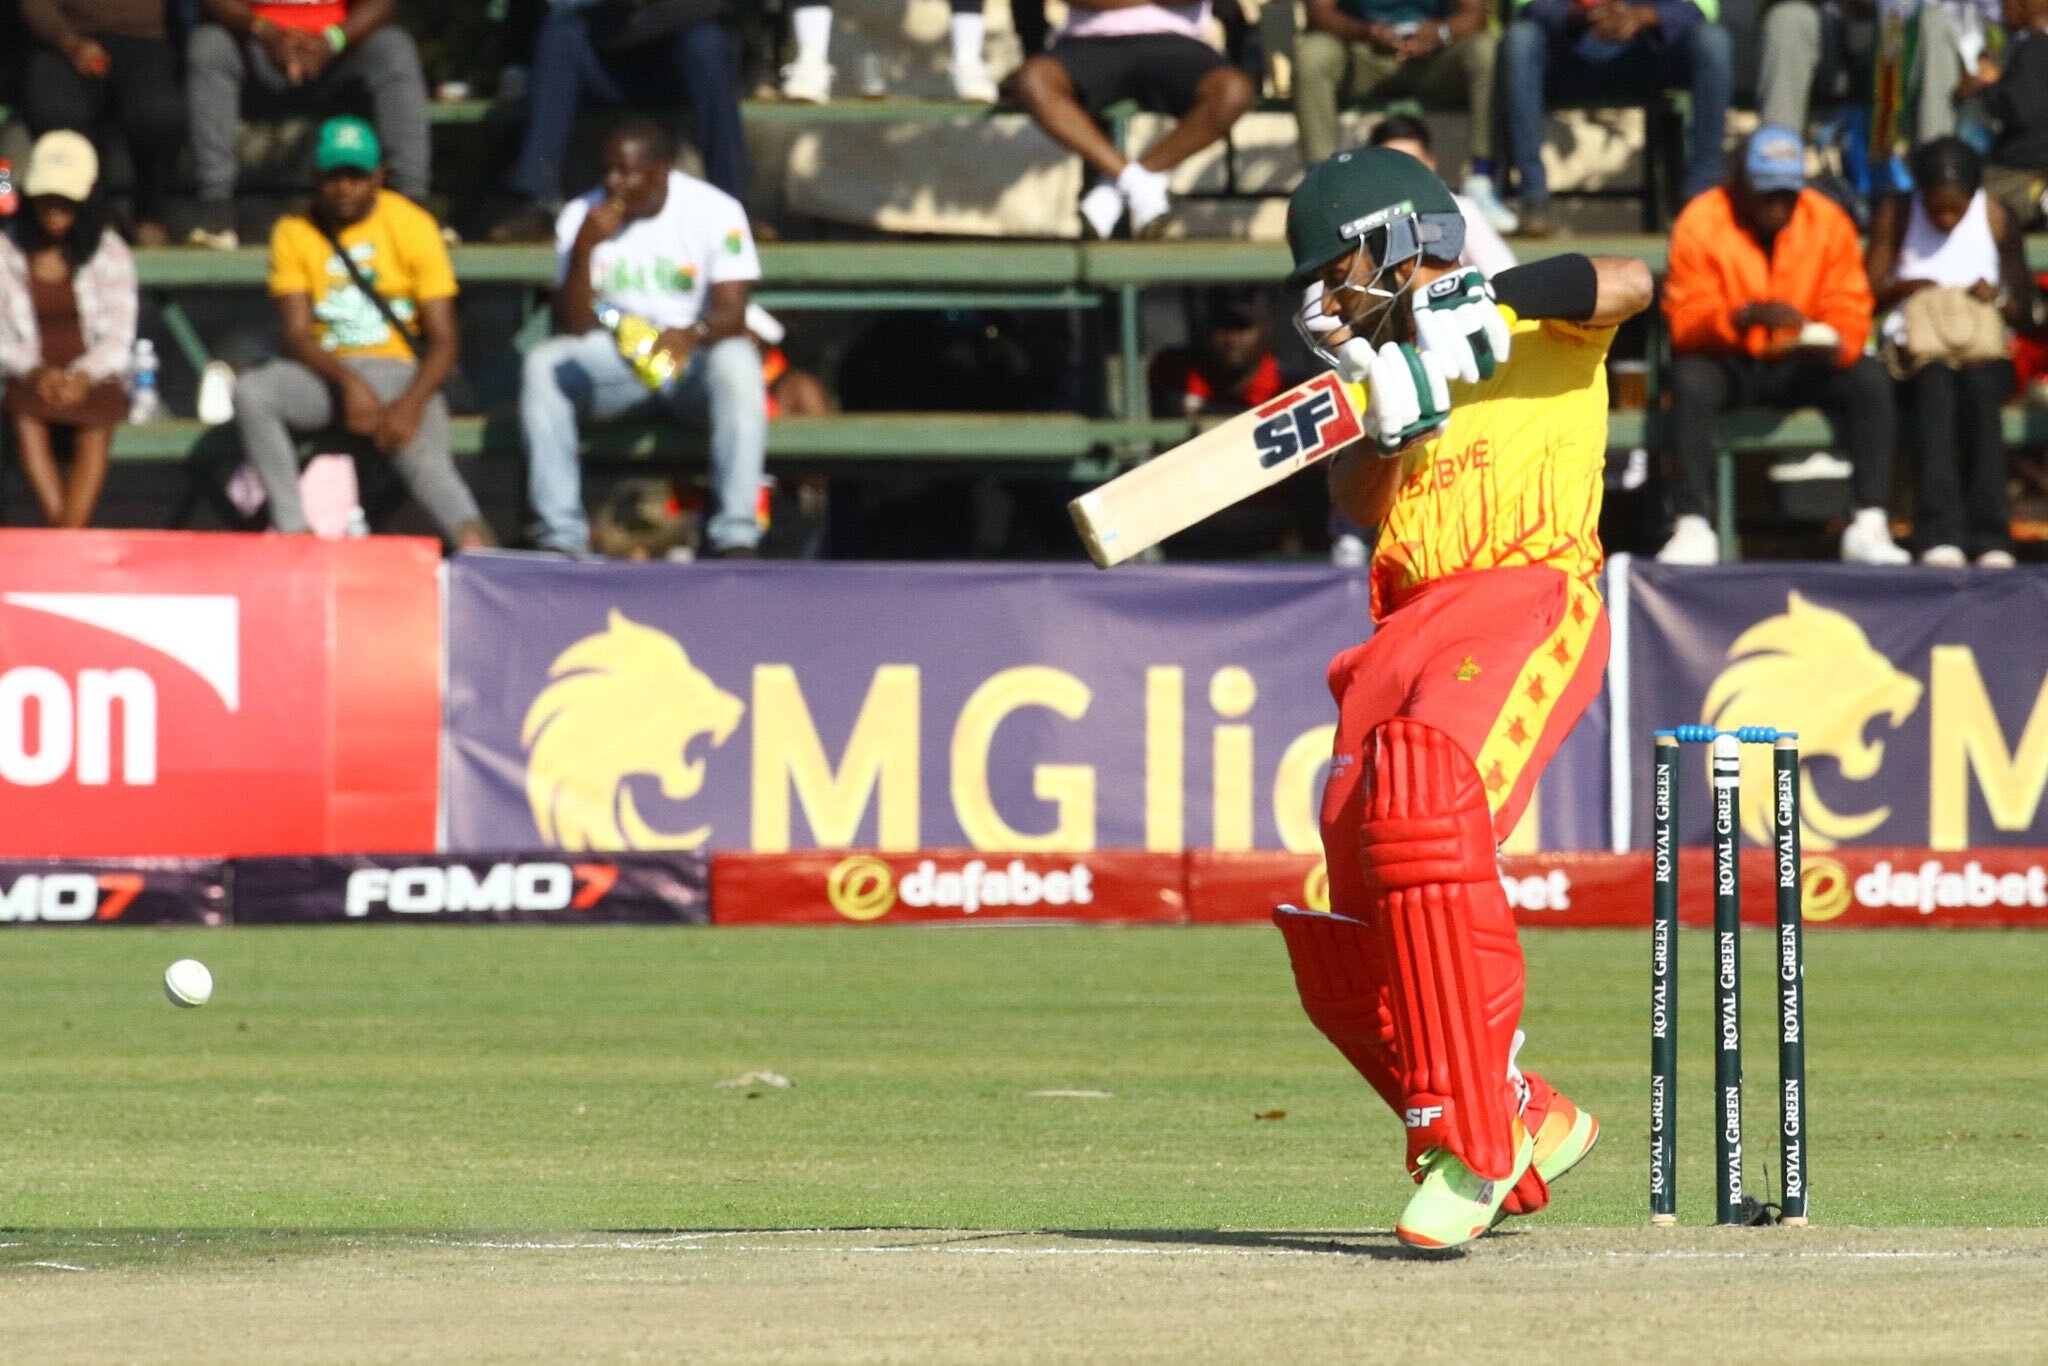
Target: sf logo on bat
{"x":1305,"y":424}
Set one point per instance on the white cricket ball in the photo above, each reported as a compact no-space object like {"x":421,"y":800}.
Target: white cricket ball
{"x":187,"y":983}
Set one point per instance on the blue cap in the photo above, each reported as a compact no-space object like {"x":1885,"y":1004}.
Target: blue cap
{"x":1776,"y":160}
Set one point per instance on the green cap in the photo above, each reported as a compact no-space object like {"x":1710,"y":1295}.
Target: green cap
{"x":1342,"y":199}
{"x":346,"y":144}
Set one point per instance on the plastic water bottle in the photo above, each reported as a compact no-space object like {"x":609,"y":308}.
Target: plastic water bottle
{"x":9,"y":200}
{"x":145,"y":404}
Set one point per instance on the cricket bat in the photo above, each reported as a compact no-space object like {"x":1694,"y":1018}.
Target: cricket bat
{"x":1224,"y":465}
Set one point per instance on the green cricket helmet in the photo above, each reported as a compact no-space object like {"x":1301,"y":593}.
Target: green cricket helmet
{"x":1389,"y":205}
{"x":1377,"y":196}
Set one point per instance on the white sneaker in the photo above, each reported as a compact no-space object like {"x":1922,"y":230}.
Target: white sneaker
{"x":217,"y":394}
{"x":1996,"y":559}
{"x":807,"y":82}
{"x":1479,"y":189}
{"x":973,"y":83}
{"x":1692,"y":542}
{"x":1102,"y":208}
{"x":1868,"y":540}
{"x":1944,"y":556}
{"x":1145,"y":193}
{"x":1349,"y":552}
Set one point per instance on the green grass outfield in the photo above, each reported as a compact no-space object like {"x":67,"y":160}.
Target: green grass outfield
{"x":386,"y":1079}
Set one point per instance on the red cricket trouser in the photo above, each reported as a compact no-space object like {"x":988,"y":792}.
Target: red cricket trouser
{"x":1501,"y":662}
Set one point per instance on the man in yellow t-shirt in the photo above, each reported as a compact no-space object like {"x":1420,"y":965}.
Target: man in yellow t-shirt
{"x":1491,"y":640}
{"x":370,"y":340}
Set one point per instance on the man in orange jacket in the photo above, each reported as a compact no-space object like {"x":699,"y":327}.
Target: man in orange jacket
{"x":1769,"y":307}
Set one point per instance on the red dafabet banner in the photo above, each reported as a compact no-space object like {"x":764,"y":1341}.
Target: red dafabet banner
{"x":166,"y":693}
{"x":958,"y":886}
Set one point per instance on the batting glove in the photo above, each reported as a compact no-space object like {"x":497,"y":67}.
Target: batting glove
{"x":1407,"y":394}
{"x":1458,"y":322}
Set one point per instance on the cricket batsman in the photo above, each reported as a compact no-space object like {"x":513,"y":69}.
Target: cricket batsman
{"x":1486,"y":431}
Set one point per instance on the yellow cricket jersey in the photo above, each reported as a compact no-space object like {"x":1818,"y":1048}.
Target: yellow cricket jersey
{"x":398,"y":249}
{"x":1515,"y":476}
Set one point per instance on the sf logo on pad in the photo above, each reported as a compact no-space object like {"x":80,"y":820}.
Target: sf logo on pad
{"x":1305,"y":424}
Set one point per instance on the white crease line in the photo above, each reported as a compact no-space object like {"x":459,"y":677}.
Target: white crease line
{"x":61,"y":1266}
{"x":690,"y":1243}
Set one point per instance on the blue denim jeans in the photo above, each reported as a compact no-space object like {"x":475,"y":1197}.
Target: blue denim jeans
{"x":697,"y":62}
{"x":568,"y":378}
{"x":1537,"y":63}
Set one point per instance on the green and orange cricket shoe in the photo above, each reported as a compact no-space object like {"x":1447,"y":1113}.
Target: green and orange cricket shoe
{"x":1454,"y":1205}
{"x":1563,"y":1139}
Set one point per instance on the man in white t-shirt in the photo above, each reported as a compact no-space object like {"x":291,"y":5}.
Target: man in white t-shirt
{"x":658,"y":245}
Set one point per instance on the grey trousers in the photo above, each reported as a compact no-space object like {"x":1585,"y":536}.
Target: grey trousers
{"x":1794,"y":47}
{"x":274,"y":401}
{"x":386,"y":64}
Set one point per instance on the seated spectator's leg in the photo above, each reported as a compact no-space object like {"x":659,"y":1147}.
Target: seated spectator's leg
{"x":1941,"y":71}
{"x":1789,"y":50}
{"x":55,"y":96}
{"x":427,"y":464}
{"x":1053,"y":98}
{"x":272,"y":402}
{"x":1932,"y":394}
{"x":152,"y":112}
{"x":1218,"y":98}
{"x":32,"y":446}
{"x":1475,"y":57}
{"x":1524,"y":60}
{"x":1709,"y":62}
{"x":565,"y":378}
{"x":1702,"y":388}
{"x":708,"y":67}
{"x":1860,"y":401}
{"x":565,"y":67}
{"x":2019,"y":189}
{"x":727,"y":380}
{"x":89,"y":447}
{"x":388,"y":65}
{"x":1320,"y":62}
{"x":216,"y":65}
{"x":1987,"y":506}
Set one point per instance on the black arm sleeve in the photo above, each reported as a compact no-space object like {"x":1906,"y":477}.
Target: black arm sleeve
{"x":1564,"y":287}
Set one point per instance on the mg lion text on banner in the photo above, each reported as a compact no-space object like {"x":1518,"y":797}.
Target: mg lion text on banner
{"x":773,"y":707}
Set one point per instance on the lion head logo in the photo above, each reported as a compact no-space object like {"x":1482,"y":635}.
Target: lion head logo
{"x":622,"y":704}
{"x":1813,"y":671}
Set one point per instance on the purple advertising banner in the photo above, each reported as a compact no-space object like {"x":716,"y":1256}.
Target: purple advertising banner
{"x":666,"y":888}
{"x":96,"y":891}
{"x":771,"y":707}
{"x":1920,"y":696}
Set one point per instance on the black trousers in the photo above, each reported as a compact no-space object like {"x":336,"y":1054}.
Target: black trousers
{"x":1961,"y":450}
{"x":140,"y":90}
{"x":1858,"y":400}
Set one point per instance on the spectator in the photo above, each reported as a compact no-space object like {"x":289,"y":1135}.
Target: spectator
{"x":1809,"y":44}
{"x":791,"y":392}
{"x":92,"y":57}
{"x":1230,"y":368}
{"x":367,"y":300}
{"x":2017,"y":97}
{"x":616,"y":51}
{"x":1484,"y":248}
{"x":675,"y":254}
{"x":808,"y":79}
{"x":1154,"y":53}
{"x":67,"y":327}
{"x":1769,"y":307}
{"x":1441,"y":51}
{"x":303,"y":53}
{"x":1573,"y":49}
{"x":1957,"y":249}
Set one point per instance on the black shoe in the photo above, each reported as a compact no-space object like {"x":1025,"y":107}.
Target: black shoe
{"x":531,"y":223}
{"x":1536,"y":221}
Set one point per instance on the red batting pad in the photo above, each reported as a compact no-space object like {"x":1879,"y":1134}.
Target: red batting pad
{"x":1341,"y":975}
{"x":1455,"y":988}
